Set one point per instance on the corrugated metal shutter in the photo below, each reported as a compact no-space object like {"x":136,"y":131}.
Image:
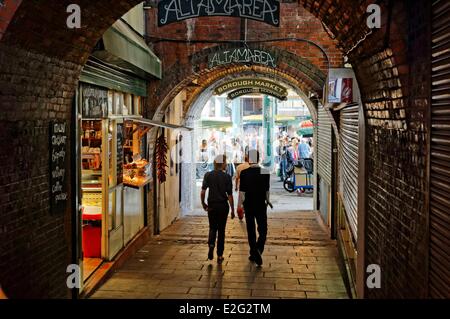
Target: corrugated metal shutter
{"x":97,"y":73}
{"x":439,"y":276}
{"x":324,"y":142}
{"x":348,"y":163}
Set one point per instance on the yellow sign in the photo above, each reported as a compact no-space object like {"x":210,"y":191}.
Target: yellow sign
{"x":251,"y":83}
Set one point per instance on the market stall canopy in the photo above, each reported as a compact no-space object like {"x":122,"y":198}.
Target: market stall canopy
{"x":126,"y":48}
{"x":152,"y":123}
{"x":306,"y":132}
{"x":257,"y":119}
{"x":305,"y":124}
{"x":217,"y":124}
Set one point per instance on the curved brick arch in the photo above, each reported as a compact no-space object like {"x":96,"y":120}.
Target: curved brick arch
{"x":297,"y":72}
{"x":309,"y":78}
{"x":40,"y":64}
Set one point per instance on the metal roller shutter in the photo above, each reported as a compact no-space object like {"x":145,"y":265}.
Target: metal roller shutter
{"x":348,"y":162}
{"x":324,"y":142}
{"x":439,"y":272}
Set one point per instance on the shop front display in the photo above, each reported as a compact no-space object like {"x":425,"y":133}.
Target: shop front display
{"x":114,"y":171}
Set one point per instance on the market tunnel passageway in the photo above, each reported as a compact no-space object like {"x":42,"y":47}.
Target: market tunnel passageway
{"x":300,"y":261}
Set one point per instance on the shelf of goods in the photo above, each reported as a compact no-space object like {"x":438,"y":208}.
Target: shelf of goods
{"x":136,"y":174}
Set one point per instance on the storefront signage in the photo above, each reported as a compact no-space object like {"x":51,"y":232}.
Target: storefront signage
{"x":59,"y":139}
{"x":120,"y":154}
{"x":252,"y":83}
{"x":242,"y":55}
{"x":342,"y":86}
{"x":340,"y":90}
{"x":244,"y":91}
{"x":267,"y":11}
{"x":94,"y":102}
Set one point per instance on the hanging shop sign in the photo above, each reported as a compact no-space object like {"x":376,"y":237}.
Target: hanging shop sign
{"x":342,"y":86}
{"x":244,"y":91}
{"x":242,"y":55}
{"x":252,"y":83}
{"x":59,"y":139}
{"x":267,"y":11}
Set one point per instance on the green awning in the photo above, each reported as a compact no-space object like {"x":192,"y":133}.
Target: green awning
{"x":306,"y":131}
{"x":214,"y":124}
{"x":125,"y":48}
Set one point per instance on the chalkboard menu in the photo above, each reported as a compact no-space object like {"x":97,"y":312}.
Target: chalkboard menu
{"x":94,"y":102}
{"x":59,"y":136}
{"x":120,"y":141}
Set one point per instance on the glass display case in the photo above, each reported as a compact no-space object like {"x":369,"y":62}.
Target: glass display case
{"x":137,"y":173}
{"x":136,"y":169}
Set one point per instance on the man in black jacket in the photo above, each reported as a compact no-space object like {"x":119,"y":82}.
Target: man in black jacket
{"x":254,"y":198}
{"x":220,"y":193}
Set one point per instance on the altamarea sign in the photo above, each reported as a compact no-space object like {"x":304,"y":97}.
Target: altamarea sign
{"x":244,"y":91}
{"x":242,"y":55}
{"x":251,"y":83}
{"x":267,"y":11}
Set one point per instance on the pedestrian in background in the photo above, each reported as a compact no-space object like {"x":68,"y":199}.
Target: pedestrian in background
{"x":220,"y":194}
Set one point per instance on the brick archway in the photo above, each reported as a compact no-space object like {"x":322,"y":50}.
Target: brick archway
{"x":299,"y":71}
{"x":41,"y":61}
{"x":293,"y":70}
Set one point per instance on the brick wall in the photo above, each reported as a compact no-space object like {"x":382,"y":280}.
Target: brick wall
{"x":40,"y":63}
{"x":181,"y":61}
{"x":395,"y":82}
{"x":7,"y":10}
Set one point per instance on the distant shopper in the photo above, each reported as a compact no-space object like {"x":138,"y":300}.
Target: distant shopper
{"x":254,"y":199}
{"x":304,"y":149}
{"x":282,"y":153}
{"x":220,"y":194}
{"x":203,"y":156}
{"x":239,"y":171}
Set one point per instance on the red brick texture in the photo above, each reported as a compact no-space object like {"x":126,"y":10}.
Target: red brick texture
{"x":7,"y":10}
{"x":40,"y":64}
{"x":183,"y":62}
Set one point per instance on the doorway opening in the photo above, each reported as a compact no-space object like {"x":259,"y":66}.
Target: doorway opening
{"x":283,"y":133}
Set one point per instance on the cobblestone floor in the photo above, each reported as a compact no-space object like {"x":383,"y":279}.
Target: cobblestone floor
{"x":299,"y":262}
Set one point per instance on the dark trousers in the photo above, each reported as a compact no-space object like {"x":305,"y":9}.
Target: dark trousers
{"x":283,"y":165}
{"x":217,"y":216}
{"x":260,"y":216}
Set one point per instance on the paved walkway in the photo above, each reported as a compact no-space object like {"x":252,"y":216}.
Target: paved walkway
{"x":299,"y":262}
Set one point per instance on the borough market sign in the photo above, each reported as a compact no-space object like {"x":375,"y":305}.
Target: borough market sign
{"x":251,"y":83}
{"x":244,"y":91}
{"x":241,"y":55}
{"x":170,"y":11}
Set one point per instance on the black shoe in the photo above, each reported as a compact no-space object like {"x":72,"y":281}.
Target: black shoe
{"x":211,"y":253}
{"x":220,"y":259}
{"x":258,"y":258}
{"x":251,"y":258}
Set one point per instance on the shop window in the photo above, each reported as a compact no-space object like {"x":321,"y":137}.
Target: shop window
{"x":212,"y":109}
{"x":136,"y":110}
{"x":251,"y":106}
{"x":128,"y":105}
{"x":118,"y":103}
